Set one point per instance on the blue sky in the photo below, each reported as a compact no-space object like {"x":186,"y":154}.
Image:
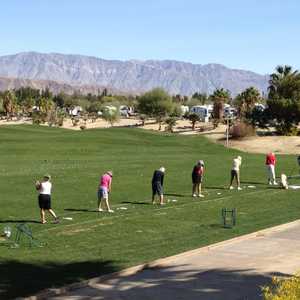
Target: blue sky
{"x":247,"y":34}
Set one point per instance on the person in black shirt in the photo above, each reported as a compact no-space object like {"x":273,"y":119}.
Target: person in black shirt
{"x":157,"y":185}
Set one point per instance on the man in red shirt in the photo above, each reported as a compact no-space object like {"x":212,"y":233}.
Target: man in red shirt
{"x":270,"y":163}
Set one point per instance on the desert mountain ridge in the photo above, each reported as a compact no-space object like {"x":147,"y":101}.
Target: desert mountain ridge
{"x":71,"y":71}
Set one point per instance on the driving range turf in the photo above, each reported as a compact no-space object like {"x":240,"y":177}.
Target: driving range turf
{"x":95,"y":243}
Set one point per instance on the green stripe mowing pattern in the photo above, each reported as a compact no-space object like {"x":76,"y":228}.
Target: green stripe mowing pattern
{"x":95,"y":243}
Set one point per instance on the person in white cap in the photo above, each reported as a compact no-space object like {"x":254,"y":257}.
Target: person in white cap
{"x":235,"y":172}
{"x":197,"y":177}
{"x":103,"y":191}
{"x":157,"y":185}
{"x":44,"y":189}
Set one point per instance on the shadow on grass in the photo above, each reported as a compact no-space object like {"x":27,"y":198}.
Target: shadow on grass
{"x":81,"y":209}
{"x":24,"y":279}
{"x":136,"y":202}
{"x":19,"y":221}
{"x":216,"y":225}
{"x":183,"y":282}
{"x":216,"y":187}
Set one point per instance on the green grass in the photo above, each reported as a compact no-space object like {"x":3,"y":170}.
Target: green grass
{"x":93,"y":244}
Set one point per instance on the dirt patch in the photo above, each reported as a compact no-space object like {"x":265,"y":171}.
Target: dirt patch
{"x":258,"y":144}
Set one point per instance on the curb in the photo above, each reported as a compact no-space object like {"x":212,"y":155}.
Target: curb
{"x":45,"y":294}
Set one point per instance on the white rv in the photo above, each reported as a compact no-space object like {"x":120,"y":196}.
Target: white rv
{"x":203,"y":111}
{"x":74,"y":112}
{"x":229,"y":111}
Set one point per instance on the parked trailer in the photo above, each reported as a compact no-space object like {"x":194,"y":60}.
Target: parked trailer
{"x":204,"y":112}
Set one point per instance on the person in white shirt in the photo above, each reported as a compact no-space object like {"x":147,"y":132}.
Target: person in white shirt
{"x":44,"y":189}
{"x":235,"y":172}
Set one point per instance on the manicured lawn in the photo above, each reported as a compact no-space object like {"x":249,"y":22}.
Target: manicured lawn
{"x":96,"y":243}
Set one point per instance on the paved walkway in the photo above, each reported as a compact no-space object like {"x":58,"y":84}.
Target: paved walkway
{"x":231,"y":270}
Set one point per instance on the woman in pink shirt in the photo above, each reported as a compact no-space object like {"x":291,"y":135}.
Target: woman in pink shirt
{"x":104,"y":189}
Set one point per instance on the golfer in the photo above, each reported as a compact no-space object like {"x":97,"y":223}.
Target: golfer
{"x":235,"y":172}
{"x":44,"y":189}
{"x":157,"y":185}
{"x":270,"y":164}
{"x":197,"y":176}
{"x":103,"y":191}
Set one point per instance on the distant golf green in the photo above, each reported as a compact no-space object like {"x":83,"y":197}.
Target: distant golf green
{"x":95,"y":243}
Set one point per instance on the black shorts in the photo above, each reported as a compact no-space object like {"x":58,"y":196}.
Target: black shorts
{"x":157,"y":189}
{"x":197,"y":179}
{"x":44,"y":201}
{"x":234,"y":173}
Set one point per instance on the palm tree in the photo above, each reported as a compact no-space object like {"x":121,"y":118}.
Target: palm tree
{"x":46,"y":107}
{"x":9,"y":104}
{"x":284,"y":83}
{"x":219,"y":98}
{"x":284,"y":99}
{"x":246,"y":100}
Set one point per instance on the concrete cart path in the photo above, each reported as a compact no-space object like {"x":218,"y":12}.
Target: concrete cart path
{"x":230,"y":270}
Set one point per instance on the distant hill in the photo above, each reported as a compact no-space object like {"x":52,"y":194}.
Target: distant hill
{"x":129,"y":76}
{"x":7,"y":83}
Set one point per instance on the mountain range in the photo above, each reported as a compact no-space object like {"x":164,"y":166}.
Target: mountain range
{"x":62,"y":72}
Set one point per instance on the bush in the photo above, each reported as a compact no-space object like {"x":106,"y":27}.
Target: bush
{"x":286,"y":128}
{"x":111,"y":115}
{"x":194,"y":118}
{"x":241,"y":130}
{"x":171,"y":123}
{"x":283,"y":289}
{"x":38,"y":117}
{"x":75,"y":121}
{"x":143,"y":119}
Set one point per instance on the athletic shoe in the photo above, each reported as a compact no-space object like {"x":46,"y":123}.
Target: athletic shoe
{"x":239,"y":188}
{"x":201,"y":195}
{"x":275,"y":183}
{"x":194,"y":195}
{"x":100,"y":209}
{"x":231,"y":187}
{"x":270,"y":183}
{"x":110,"y":211}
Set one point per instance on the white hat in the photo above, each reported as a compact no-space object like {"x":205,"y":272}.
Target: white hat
{"x":162,"y":169}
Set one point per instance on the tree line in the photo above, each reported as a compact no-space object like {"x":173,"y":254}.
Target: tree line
{"x":280,"y":110}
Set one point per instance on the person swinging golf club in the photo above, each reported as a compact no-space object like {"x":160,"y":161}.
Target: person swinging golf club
{"x":44,"y":198}
{"x":157,"y":185}
{"x":197,"y":177}
{"x":103,"y":191}
{"x":235,"y":172}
